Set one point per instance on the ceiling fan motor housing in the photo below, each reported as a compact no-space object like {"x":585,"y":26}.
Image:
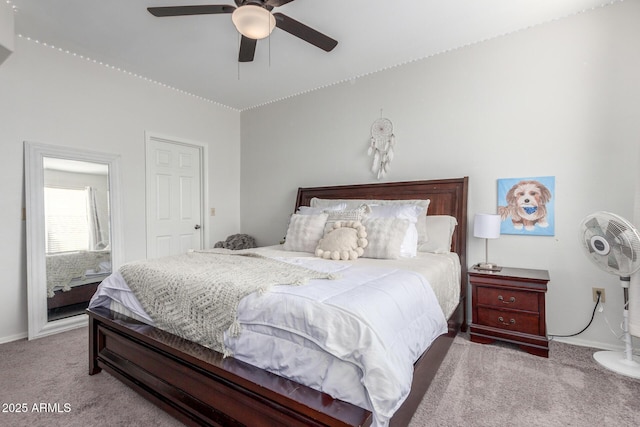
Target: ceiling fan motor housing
{"x":254,"y":20}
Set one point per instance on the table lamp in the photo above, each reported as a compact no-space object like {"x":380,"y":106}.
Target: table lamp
{"x":487,"y":226}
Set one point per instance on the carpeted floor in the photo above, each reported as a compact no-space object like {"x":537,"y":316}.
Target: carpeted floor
{"x":500,"y":385}
{"x":477,"y":385}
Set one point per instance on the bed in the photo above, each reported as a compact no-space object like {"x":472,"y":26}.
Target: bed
{"x":66,"y":270}
{"x":201,"y":387}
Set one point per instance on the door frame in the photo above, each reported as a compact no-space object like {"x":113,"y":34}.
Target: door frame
{"x":204,"y":180}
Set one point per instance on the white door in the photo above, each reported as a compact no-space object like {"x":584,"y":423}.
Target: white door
{"x":174,"y":197}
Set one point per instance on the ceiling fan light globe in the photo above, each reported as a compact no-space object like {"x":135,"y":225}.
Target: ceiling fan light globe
{"x":254,"y":22}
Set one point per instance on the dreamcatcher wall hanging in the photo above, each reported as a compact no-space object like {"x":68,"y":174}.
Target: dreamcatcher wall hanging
{"x":381,"y":146}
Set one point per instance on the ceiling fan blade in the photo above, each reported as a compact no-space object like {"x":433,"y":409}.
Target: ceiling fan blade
{"x":277,"y":3}
{"x":307,"y":34}
{"x":247,"y":49}
{"x":190,"y":10}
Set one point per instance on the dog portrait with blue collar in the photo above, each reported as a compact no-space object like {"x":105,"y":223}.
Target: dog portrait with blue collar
{"x":526,"y":205}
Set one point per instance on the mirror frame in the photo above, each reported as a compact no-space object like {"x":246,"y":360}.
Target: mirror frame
{"x":34,"y":153}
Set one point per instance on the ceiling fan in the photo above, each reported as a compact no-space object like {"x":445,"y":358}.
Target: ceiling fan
{"x":254,"y":20}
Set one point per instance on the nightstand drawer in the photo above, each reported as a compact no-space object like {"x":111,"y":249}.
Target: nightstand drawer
{"x":509,"y":320}
{"x":507,"y":298}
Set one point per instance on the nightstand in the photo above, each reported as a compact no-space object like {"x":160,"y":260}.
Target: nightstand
{"x":508,"y":305}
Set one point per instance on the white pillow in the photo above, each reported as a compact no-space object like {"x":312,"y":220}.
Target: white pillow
{"x":384,"y":236}
{"x":308,"y":210}
{"x":353,"y":203}
{"x":304,"y":232}
{"x":440,"y":229}
{"x":409,"y":246}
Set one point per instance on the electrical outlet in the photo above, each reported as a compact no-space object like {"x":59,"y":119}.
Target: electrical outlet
{"x":595,"y":294}
{"x":213,"y":211}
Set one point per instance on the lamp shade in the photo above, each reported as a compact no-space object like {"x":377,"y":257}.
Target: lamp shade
{"x":253,"y":21}
{"x":486,"y":226}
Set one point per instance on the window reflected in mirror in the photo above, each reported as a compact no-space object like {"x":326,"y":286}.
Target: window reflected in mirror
{"x":77,"y":233}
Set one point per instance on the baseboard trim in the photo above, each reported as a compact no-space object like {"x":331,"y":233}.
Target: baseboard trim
{"x":587,"y":343}
{"x":11,"y":338}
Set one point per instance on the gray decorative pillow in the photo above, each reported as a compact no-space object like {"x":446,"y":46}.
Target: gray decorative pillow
{"x":357,"y":214}
{"x":307,"y":210}
{"x":385,"y":236}
{"x":304,"y":232}
{"x":353,"y":203}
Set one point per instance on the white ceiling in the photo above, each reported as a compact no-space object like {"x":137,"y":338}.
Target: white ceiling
{"x":198,"y":54}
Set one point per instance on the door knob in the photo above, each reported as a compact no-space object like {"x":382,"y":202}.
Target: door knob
{"x":197,"y":227}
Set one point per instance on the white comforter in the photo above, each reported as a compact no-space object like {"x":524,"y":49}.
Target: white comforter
{"x":355,"y":338}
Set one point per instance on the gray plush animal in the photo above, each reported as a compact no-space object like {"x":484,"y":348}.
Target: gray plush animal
{"x":237,"y":241}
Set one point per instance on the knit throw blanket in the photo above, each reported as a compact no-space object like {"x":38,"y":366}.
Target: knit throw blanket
{"x":196,"y":295}
{"x":62,"y":268}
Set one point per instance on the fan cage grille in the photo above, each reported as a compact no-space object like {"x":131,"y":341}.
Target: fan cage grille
{"x":617,"y":243}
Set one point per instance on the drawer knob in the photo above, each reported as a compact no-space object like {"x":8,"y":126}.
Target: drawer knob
{"x":511,"y":299}
{"x":511,"y":321}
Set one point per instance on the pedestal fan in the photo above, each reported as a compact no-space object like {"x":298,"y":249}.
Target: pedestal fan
{"x":613,"y":244}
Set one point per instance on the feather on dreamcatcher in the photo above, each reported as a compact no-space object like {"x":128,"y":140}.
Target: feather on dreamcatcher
{"x":381,"y":146}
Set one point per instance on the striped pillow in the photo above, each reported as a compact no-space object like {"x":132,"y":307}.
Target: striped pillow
{"x":385,"y":237}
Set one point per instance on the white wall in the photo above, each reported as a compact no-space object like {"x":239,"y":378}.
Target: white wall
{"x":7,"y":37}
{"x":52,"y":97}
{"x":561,"y":99}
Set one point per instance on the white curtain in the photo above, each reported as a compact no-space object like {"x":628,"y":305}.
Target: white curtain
{"x":95,"y":229}
{"x":634,"y":287}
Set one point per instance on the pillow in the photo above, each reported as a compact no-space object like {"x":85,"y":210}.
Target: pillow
{"x":409,"y":246}
{"x":344,"y":242}
{"x":409,"y":212}
{"x":308,"y":210}
{"x":353,"y":203}
{"x":304,"y":232}
{"x":385,"y":236}
{"x":356,"y":214}
{"x":440,"y":229}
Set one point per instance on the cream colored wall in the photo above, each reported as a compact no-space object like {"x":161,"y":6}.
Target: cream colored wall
{"x":52,"y":97}
{"x":561,"y":99}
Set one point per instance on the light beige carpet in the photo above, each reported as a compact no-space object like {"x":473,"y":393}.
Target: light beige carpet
{"x":477,"y":385}
{"x":501,"y":385}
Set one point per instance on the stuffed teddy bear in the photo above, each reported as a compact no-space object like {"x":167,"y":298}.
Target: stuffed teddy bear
{"x":346,"y":241}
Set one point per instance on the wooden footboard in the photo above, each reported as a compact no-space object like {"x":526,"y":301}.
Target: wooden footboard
{"x":201,"y":388}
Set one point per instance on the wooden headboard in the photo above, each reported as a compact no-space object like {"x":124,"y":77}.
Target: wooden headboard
{"x":448,"y":197}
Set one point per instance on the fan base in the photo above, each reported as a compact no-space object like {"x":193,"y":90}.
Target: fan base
{"x":616,"y":361}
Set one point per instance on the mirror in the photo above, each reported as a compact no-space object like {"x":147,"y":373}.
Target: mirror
{"x":73,"y":241}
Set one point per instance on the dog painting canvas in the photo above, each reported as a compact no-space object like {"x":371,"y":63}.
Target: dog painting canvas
{"x":526,"y":206}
